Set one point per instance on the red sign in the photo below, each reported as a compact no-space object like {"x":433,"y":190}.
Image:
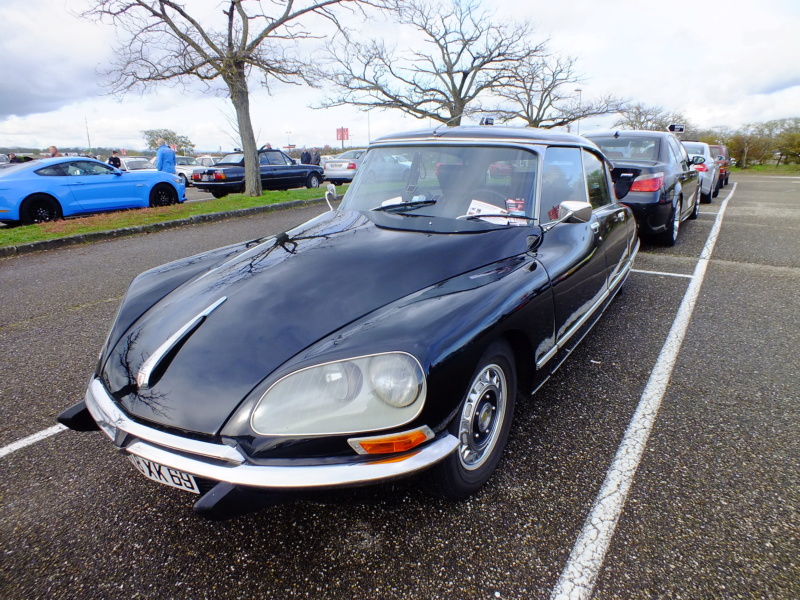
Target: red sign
{"x":342,"y":133}
{"x":124,"y":152}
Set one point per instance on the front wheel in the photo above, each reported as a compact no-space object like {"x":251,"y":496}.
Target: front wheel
{"x":696,"y":209}
{"x":39,"y":208}
{"x":163,"y":194}
{"x":313,"y":181}
{"x":482,"y":426}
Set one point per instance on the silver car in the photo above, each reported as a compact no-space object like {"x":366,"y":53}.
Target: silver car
{"x":341,"y":169}
{"x":709,"y":170}
{"x":135,"y":163}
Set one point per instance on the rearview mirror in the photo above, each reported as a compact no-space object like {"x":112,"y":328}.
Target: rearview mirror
{"x":698,"y":160}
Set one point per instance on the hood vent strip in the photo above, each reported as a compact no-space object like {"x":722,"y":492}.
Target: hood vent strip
{"x":150,"y":365}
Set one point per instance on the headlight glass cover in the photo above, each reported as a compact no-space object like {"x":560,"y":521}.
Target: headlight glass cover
{"x":368,"y":393}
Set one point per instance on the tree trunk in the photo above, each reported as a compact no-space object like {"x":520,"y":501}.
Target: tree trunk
{"x":240,"y":97}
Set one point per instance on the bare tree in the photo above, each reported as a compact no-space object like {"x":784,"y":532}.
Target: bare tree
{"x":654,"y":118}
{"x":466,"y":54}
{"x":541,"y":91}
{"x":163,"y":42}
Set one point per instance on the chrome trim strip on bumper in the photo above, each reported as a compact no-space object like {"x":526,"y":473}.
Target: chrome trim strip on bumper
{"x":623,"y":273}
{"x":171,"y":450}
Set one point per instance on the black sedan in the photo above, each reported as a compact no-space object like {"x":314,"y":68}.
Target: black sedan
{"x":385,"y":338}
{"x":278,"y":172}
{"x":665,"y":189}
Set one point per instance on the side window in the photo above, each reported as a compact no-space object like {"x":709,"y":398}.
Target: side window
{"x":596,"y":180}
{"x":53,"y":171}
{"x":88,"y":168}
{"x":562,"y":179}
{"x":277,"y":159}
{"x":263,"y":158}
{"x":678,"y":152}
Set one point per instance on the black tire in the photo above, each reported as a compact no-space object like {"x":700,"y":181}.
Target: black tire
{"x":705,"y":198}
{"x":482,"y":425}
{"x":313,"y":180}
{"x":670,"y":236}
{"x":39,"y":208}
{"x":715,"y":193}
{"x":696,"y":210}
{"x":163,"y":194}
{"x":219,"y":193}
{"x":186,"y":181}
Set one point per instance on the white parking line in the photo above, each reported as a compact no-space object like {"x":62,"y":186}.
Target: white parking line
{"x":662,"y":273}
{"x":580,"y":573}
{"x":31,"y":439}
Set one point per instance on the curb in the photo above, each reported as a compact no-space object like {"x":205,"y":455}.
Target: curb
{"x":99,"y":236}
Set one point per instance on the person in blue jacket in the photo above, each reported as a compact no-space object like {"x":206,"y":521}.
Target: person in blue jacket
{"x":165,"y":157}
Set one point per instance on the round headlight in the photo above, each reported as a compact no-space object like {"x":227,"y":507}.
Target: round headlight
{"x":396,"y":379}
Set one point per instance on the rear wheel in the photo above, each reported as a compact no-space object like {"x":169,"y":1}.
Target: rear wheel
{"x":717,"y":187}
{"x":670,"y":236}
{"x":39,"y":208}
{"x":313,"y":181}
{"x":482,"y":426}
{"x":696,"y":209}
{"x":219,"y":193}
{"x":163,"y":194}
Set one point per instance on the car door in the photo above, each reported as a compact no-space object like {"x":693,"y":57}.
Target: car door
{"x":612,"y":217}
{"x":97,"y":186}
{"x":572,"y":253}
{"x":285,"y":173}
{"x":688,"y":177}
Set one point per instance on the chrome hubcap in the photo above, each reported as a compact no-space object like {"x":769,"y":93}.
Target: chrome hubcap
{"x":482,"y":417}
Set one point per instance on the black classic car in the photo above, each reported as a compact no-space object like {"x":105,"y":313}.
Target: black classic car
{"x":665,"y":189}
{"x":278,"y":172}
{"x":384,"y":338}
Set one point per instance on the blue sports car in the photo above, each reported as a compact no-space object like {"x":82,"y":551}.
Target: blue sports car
{"x":53,"y":188}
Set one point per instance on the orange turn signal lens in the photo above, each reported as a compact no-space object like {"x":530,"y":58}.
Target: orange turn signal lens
{"x":388,"y":444}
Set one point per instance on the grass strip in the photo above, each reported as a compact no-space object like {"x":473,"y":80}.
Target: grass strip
{"x":108,"y":221}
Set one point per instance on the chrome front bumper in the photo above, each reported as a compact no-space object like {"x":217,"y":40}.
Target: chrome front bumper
{"x":223,"y":463}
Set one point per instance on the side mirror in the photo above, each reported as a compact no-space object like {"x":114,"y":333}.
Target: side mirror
{"x":330,"y":195}
{"x":571,"y":211}
{"x":698,"y":160}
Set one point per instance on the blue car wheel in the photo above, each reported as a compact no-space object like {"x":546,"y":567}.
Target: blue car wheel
{"x":39,"y":208}
{"x":163,"y":195}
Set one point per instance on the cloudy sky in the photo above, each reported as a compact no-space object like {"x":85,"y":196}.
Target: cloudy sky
{"x":720,"y":63}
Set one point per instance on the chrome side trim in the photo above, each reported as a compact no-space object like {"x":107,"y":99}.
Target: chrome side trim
{"x":171,"y":451}
{"x":112,"y":421}
{"x":623,"y":273}
{"x":146,"y":370}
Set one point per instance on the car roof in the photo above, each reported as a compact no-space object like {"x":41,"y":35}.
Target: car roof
{"x":629,"y":133}
{"x":525,"y":135}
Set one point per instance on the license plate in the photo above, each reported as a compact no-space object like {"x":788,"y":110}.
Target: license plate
{"x":206,"y":178}
{"x":165,"y":475}
{"x":336,"y":165}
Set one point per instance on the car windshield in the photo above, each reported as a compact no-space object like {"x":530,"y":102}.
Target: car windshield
{"x":234,"y":158}
{"x":629,"y":148}
{"x":187,"y":160}
{"x":446,"y":181}
{"x":694,"y":148}
{"x":137,"y":164}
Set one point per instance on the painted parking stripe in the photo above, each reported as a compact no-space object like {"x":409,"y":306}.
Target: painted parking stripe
{"x":662,"y":273}
{"x":580,"y":573}
{"x":31,"y":439}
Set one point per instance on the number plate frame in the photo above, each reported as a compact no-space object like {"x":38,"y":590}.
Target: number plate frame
{"x":164,"y":475}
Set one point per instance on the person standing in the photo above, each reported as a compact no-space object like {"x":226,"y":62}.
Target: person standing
{"x":165,"y":157}
{"x":114,"y":160}
{"x":305,"y":157}
{"x":13,"y":158}
{"x":315,"y":157}
{"x":54,"y":152}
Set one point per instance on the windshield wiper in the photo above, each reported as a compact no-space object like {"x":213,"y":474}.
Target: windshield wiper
{"x":414,"y":204}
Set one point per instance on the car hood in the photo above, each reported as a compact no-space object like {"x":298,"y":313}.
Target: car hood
{"x":218,"y":335}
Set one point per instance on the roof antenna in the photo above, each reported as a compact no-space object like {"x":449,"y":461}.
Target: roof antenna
{"x":445,"y":124}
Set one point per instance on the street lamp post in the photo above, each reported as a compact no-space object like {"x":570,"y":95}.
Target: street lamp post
{"x":578,"y":120}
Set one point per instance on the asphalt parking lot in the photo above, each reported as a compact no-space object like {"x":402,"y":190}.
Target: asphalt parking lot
{"x":713,"y":509}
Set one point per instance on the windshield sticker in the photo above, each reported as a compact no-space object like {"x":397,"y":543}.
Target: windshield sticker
{"x":492,"y":212}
